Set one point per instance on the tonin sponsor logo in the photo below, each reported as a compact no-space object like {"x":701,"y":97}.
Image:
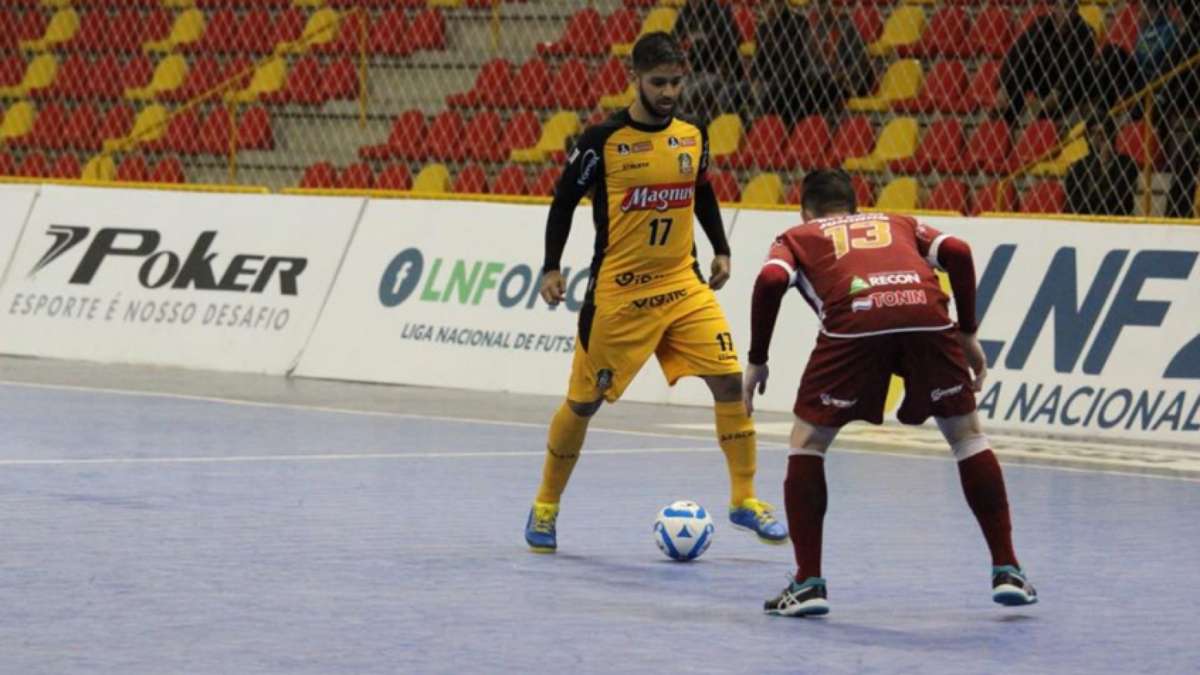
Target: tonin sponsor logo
{"x":658,"y":197}
{"x":197,"y":269}
{"x":660,"y":300}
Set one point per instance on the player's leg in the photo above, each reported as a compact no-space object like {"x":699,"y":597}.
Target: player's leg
{"x":697,"y":341}
{"x":983,"y":486}
{"x":610,"y":348}
{"x":805,"y":499}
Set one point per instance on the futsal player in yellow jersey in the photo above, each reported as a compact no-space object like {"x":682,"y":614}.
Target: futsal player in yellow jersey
{"x":645,"y":171}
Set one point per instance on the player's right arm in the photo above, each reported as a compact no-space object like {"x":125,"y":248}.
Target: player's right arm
{"x":584,"y":164}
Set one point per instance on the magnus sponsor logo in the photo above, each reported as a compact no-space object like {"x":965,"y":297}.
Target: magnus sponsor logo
{"x":471,"y":282}
{"x":658,"y":197}
{"x":660,"y":300}
{"x":199,"y":268}
{"x":906,"y":278}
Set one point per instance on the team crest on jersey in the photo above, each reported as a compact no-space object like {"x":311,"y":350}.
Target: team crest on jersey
{"x":685,"y":164}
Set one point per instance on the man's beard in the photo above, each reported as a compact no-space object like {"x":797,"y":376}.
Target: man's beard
{"x":650,"y":107}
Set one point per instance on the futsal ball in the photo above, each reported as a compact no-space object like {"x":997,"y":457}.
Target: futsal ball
{"x":683,"y":531}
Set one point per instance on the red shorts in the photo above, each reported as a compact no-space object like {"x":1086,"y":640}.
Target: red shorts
{"x":847,"y":378}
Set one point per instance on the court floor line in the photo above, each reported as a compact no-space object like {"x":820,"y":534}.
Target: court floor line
{"x":763,"y":445}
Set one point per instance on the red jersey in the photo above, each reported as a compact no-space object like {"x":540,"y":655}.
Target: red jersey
{"x":866,"y":274}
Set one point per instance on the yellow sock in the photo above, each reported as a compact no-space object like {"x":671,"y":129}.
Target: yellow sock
{"x":562,"y":451}
{"x":735,"y":432}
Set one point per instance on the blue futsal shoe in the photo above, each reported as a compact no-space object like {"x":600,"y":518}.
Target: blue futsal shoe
{"x":756,"y":516}
{"x":539,"y":528}
{"x":1011,"y":587}
{"x":800,"y":598}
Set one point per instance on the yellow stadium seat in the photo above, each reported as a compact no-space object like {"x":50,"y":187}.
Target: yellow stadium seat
{"x":765,"y":188}
{"x":724,"y":135}
{"x":178,"y":4}
{"x":433,"y":178}
{"x":1071,"y":153}
{"x":659,"y":19}
{"x":898,"y":140}
{"x":56,"y":4}
{"x":62,"y":27}
{"x":100,"y":168}
{"x":168,"y":76}
{"x":903,"y":27}
{"x":898,"y":195}
{"x":555,"y":132}
{"x":39,"y":74}
{"x":17,"y":121}
{"x":268,"y":77}
{"x":1093,"y":15}
{"x":188,"y":28}
{"x":148,"y":126}
{"x":448,"y":4}
{"x":673,"y":3}
{"x":901,"y":81}
{"x":618,"y":101}
{"x":322,"y":28}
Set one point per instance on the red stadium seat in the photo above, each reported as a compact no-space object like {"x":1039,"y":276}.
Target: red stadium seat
{"x":522,"y":130}
{"x":493,"y":83}
{"x":1035,"y":144}
{"x":254,"y":33}
{"x":992,"y":32}
{"x":621,"y":27}
{"x":156,"y":25}
{"x":7,"y":166}
{"x":182,"y":134}
{"x":725,"y":185}
{"x":1046,"y":196}
{"x":71,"y":81}
{"x":864,"y":192}
{"x":472,"y":179}
{"x":946,"y":35}
{"x":510,"y":181}
{"x":79,"y":130}
{"x":868,"y":21}
{"x":47,"y":128}
{"x":940,"y":150}
{"x":94,"y":31}
{"x":288,"y":26}
{"x":612,"y":77}
{"x":854,"y":138}
{"x":214,"y":132}
{"x":764,"y":146}
{"x":483,"y":138}
{"x":340,"y":80}
{"x":12,"y":70}
{"x":532,"y":85}
{"x":583,"y":36}
{"x":428,"y":30}
{"x":254,"y":129}
{"x":34,"y":165}
{"x":1124,"y":29}
{"x":986,"y":199}
{"x":168,"y":170}
{"x":66,"y":166}
{"x":572,"y":85}
{"x":811,"y":143}
{"x":390,"y":34}
{"x":546,"y":181}
{"x":407,"y":139}
{"x":744,"y":19}
{"x":349,"y":36}
{"x":945,"y":90}
{"x":394,"y":177}
{"x":220,"y":33}
{"x":117,"y":122}
{"x":948,"y":195}
{"x":357,"y":176}
{"x":319,"y":175}
{"x":446,"y":136}
{"x":989,"y":147}
{"x":303,"y":86}
{"x":204,"y":74}
{"x":1133,"y":141}
{"x":981,"y":94}
{"x":133,"y":169}
{"x":136,"y":72}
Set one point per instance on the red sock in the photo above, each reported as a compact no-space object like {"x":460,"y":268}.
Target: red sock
{"x":983,"y":486}
{"x":805,"y":499}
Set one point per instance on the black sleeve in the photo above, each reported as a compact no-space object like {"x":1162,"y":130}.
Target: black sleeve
{"x":708,"y":210}
{"x":584,"y":164}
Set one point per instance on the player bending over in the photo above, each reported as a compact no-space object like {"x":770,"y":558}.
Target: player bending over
{"x":646,"y":171}
{"x":870,"y":279}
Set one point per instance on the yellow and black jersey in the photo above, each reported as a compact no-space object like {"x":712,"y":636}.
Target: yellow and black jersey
{"x":645,"y":183}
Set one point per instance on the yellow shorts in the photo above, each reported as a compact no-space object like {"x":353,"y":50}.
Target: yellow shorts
{"x":685,"y":328}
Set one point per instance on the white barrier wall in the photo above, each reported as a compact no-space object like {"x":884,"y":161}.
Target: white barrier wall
{"x":15,"y":202}
{"x":217,"y":281}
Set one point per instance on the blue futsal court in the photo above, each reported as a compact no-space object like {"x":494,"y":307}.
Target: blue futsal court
{"x":148,"y":533}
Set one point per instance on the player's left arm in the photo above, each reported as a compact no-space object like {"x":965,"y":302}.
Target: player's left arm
{"x":953,"y":255}
{"x":708,"y":212}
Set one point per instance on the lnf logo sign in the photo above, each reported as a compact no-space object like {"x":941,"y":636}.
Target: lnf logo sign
{"x":468,"y":282}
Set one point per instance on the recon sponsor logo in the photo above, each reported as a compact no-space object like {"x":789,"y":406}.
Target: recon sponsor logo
{"x":905,"y":278}
{"x":939,"y":394}
{"x":660,"y":300}
{"x":627,"y":278}
{"x":658,"y":197}
{"x":828,"y":400}
{"x":244,"y":273}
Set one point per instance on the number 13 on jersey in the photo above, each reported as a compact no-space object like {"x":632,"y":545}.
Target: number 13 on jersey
{"x":865,"y":234}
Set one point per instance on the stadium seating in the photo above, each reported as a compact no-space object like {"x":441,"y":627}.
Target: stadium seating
{"x":1044,"y":197}
{"x":471,"y":179}
{"x":899,"y":195}
{"x":510,"y":181}
{"x":948,"y":195}
{"x":897,"y":141}
{"x":765,"y":188}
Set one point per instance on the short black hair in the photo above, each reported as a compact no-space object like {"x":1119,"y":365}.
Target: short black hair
{"x":655,"y":49}
{"x":826,"y":191}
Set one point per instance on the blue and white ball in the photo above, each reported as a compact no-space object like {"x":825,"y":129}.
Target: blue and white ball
{"x":683,"y":531}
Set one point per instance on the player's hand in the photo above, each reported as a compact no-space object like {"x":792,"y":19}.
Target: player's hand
{"x":975,"y":358}
{"x":554,"y":287}
{"x":720,"y":272}
{"x":755,"y":377}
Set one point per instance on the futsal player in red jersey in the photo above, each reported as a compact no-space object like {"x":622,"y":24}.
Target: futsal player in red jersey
{"x":870,"y":278}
